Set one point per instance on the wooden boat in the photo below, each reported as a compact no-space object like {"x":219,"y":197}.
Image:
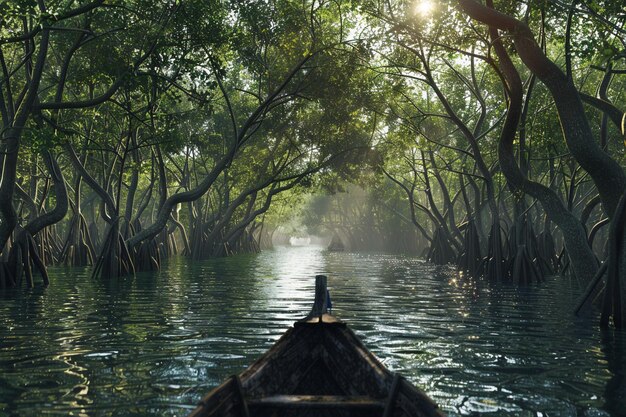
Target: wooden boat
{"x":317,"y":368}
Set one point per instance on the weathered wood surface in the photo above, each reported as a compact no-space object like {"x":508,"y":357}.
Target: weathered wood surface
{"x":319,"y":360}
{"x":318,"y":368}
{"x":245,"y":412}
{"x":324,"y":358}
{"x":221,"y":401}
{"x":339,"y":402}
{"x":325,"y":318}
{"x":390,"y":404}
{"x":321,"y":299}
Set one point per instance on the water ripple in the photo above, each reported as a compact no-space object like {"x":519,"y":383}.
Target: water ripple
{"x":154,"y":344}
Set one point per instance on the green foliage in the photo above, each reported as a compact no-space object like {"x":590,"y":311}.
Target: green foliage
{"x":190,"y":74}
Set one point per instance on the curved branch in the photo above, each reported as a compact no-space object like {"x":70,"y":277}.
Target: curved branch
{"x":186,"y":196}
{"x":80,"y":168}
{"x":608,"y":108}
{"x":62,"y":203}
{"x":583,"y":259}
{"x":606,"y":173}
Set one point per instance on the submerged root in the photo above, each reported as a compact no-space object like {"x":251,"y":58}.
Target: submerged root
{"x":563,"y":262}
{"x":524,"y":269}
{"x":78,"y":249}
{"x":526,"y":263}
{"x":495,"y":262}
{"x":613,"y":305}
{"x":336,"y":245}
{"x":23,"y":263}
{"x":147,"y":257}
{"x":48,"y":246}
{"x":245,"y":243}
{"x":546,"y":250}
{"x":441,"y":251}
{"x":7,"y":279}
{"x":470,"y":259}
{"x":115,"y":259}
{"x":198,"y":237}
{"x":165,"y":245}
{"x":94,"y":233}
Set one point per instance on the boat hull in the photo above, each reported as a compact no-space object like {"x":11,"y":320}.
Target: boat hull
{"x":317,"y":368}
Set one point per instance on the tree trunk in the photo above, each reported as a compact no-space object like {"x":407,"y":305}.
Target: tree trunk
{"x":583,"y":259}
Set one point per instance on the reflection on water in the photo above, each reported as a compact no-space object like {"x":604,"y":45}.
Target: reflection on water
{"x":154,"y":344}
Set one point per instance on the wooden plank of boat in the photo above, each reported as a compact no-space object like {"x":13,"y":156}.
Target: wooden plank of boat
{"x":319,"y":367}
{"x":319,"y":401}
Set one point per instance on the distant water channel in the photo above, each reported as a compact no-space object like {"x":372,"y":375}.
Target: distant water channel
{"x":154,"y":344}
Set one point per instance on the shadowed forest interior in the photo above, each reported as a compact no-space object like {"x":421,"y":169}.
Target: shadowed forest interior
{"x":478,"y":142}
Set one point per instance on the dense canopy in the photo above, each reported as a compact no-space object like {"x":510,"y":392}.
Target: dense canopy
{"x":489,"y":135}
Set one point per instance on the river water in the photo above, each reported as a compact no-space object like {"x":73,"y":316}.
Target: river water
{"x":152,"y":345}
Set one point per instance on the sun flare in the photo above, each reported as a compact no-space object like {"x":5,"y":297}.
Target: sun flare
{"x":424,"y":7}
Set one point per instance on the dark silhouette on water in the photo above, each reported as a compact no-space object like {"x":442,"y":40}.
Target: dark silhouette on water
{"x":317,"y":368}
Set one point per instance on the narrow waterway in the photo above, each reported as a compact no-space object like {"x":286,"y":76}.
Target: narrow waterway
{"x":152,"y":345}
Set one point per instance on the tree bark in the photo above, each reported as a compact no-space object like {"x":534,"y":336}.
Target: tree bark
{"x":581,"y":255}
{"x":606,"y":173}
